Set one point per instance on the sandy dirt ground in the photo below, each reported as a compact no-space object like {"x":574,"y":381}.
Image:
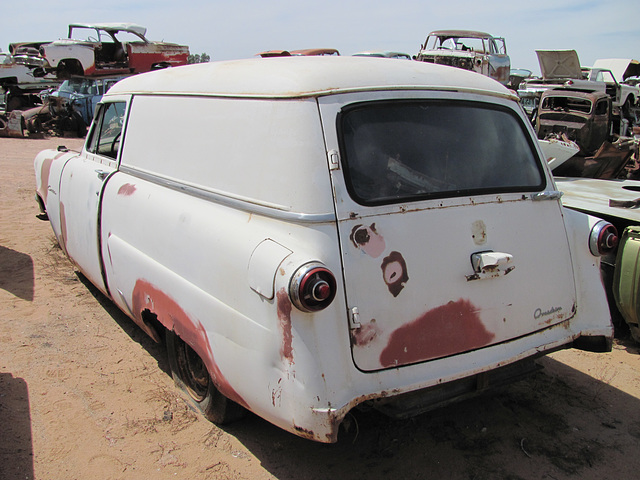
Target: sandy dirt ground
{"x":84,"y":394}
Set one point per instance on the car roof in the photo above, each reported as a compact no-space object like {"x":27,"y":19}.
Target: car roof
{"x":300,"y":76}
{"x":460,"y":33}
{"x":127,"y":27}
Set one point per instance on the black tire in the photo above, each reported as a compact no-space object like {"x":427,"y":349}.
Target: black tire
{"x":191,"y":376}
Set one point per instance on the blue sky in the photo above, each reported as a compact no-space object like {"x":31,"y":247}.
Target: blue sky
{"x":230,"y":29}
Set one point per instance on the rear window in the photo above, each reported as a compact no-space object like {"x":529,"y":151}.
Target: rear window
{"x":398,"y":151}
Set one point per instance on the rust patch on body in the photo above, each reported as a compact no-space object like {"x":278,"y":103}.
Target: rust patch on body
{"x":284,"y":324}
{"x":148,"y":297}
{"x":63,"y":230}
{"x":127,"y":189}
{"x":365,"y":334}
{"x":368,"y":240}
{"x":445,"y":330}
{"x":394,"y":272}
{"x":45,"y":171}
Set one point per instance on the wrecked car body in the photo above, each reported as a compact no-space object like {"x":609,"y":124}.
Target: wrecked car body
{"x":584,"y":117}
{"x":366,"y":272}
{"x":384,"y":54}
{"x":614,"y":73}
{"x":109,"y":49}
{"x":20,"y":82}
{"x":306,"y":52}
{"x":66,"y":111}
{"x":561,"y":69}
{"x":84,"y":93}
{"x":469,"y":50}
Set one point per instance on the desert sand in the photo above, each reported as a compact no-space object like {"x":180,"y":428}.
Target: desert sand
{"x":84,"y":394}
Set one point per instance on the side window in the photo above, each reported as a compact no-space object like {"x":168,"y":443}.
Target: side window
{"x":602,"y":107}
{"x":105,"y":136}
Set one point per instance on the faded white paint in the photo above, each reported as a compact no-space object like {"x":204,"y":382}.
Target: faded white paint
{"x":228,"y":180}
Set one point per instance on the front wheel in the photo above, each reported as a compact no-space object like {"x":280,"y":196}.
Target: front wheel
{"x":190,"y":375}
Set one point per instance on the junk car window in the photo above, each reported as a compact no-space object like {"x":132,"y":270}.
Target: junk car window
{"x":567,"y":104}
{"x":602,"y":107}
{"x":401,"y":151}
{"x":105,"y":139}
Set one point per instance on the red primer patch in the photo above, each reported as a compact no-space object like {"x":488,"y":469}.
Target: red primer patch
{"x":45,"y":171}
{"x":148,"y":297}
{"x":127,"y":189}
{"x":448,"y":329}
{"x":284,"y":318}
{"x":63,"y":230}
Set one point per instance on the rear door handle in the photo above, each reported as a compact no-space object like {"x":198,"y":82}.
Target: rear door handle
{"x":490,"y":265}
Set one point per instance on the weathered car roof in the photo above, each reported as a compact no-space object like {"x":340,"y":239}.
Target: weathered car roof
{"x":556,"y":64}
{"x":299,"y":76}
{"x":460,"y":33}
{"x":127,"y":27}
{"x":622,"y":68}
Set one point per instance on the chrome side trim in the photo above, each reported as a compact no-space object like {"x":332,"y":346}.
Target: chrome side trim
{"x":275,"y":211}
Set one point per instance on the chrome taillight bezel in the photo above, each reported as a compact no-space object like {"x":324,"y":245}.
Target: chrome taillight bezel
{"x":603,"y":238}
{"x":306,"y":285}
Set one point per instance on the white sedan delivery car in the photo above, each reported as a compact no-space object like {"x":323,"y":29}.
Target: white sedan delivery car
{"x":313,"y":234}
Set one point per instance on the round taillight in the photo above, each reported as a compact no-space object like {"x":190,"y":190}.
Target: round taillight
{"x":603,"y":238}
{"x":312,"y":287}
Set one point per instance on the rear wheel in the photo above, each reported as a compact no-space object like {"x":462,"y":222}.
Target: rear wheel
{"x":190,"y":375}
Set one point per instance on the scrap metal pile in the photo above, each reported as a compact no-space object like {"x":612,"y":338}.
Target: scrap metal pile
{"x":52,"y":87}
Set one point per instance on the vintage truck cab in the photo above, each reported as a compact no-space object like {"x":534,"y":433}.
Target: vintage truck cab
{"x":311,"y":235}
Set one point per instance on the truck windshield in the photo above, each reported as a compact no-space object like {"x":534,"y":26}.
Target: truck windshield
{"x":412,"y":150}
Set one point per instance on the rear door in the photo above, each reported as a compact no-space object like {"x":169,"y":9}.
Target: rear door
{"x":448,"y":243}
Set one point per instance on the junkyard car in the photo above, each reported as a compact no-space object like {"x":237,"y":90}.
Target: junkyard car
{"x":20,"y":83}
{"x":584,"y":117}
{"x":561,"y":69}
{"x":477,"y":51}
{"x":384,"y":54}
{"x":315,"y":237}
{"x":69,"y":109}
{"x":109,"y":49}
{"x":85,"y":93}
{"x":308,"y":52}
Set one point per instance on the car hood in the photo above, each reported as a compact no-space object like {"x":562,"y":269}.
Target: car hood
{"x":556,"y":64}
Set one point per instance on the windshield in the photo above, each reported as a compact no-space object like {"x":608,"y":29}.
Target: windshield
{"x":455,"y":43}
{"x":398,"y":151}
{"x":79,"y":85}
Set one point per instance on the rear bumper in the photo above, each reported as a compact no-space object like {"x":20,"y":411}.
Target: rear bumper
{"x":415,"y":389}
